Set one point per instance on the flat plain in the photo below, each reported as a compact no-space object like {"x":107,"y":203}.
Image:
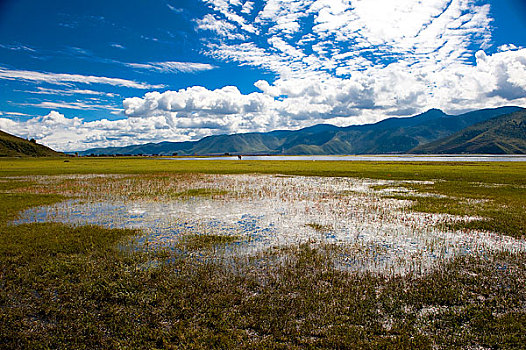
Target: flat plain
{"x":286,"y":254}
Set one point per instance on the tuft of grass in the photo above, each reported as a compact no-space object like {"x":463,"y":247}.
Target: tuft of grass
{"x":200,"y":242}
{"x":319,"y":227}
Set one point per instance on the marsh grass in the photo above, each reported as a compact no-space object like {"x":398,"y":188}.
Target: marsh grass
{"x":319,"y":227}
{"x":73,"y":287}
{"x":199,"y":192}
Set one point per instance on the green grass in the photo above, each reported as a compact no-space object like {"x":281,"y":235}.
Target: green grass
{"x":489,"y":172}
{"x":72,"y":287}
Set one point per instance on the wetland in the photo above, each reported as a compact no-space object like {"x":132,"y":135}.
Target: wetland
{"x":134,"y":253}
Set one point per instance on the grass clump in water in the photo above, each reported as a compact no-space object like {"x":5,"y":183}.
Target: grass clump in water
{"x":319,"y":227}
{"x":198,"y":192}
{"x":200,"y":242}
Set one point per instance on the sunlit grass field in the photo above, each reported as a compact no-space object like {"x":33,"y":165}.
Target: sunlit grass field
{"x":70,"y":286}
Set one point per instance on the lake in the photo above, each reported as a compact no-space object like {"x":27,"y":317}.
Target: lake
{"x":376,"y":158}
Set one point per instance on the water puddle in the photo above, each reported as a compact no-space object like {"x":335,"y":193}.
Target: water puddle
{"x":373,"y":233}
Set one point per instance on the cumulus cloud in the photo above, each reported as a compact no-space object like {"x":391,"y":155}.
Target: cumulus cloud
{"x":65,"y":79}
{"x":369,"y":95}
{"x":74,"y":134}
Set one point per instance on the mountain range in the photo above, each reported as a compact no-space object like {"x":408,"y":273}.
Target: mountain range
{"x":431,"y":132}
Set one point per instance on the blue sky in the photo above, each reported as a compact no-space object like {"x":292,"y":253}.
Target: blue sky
{"x":76,"y":75}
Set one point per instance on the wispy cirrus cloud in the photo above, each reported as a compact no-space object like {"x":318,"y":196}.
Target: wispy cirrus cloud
{"x":15,"y":114}
{"x":66,"y":79}
{"x":79,"y":105}
{"x":172,"y":66}
{"x":17,"y":47}
{"x":118,"y":46}
{"x":221,"y":27}
{"x":175,"y":9}
{"x":70,"y":92}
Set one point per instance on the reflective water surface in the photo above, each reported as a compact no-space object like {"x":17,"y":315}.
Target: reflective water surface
{"x":375,"y":233}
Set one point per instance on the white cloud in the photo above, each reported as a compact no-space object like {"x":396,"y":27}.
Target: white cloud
{"x":15,"y":114}
{"x":17,"y":47}
{"x":247,"y":7}
{"x":225,"y":109}
{"x":65,"y":79}
{"x":74,"y":134}
{"x":175,"y":9}
{"x":173,"y":67}
{"x":220,"y":27}
{"x":71,"y":105}
{"x":369,"y":95}
{"x":340,"y":37}
{"x":118,"y":46}
{"x":69,"y":92}
{"x":226,"y":8}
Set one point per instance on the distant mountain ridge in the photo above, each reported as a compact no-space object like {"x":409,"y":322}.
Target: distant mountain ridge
{"x":504,"y":134}
{"x":14,"y":146}
{"x":389,"y":136}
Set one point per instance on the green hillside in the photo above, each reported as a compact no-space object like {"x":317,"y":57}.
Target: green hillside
{"x":13,"y":146}
{"x":501,"y":135}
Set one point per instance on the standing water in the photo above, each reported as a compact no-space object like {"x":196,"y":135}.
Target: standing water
{"x":372,"y":232}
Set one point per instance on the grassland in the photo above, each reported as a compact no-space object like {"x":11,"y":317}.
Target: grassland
{"x":73,"y":287}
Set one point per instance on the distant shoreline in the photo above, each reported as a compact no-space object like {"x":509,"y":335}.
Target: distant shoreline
{"x":373,"y":158}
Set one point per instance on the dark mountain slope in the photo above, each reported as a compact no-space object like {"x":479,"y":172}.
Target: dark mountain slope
{"x":501,"y":135}
{"x":399,"y":135}
{"x":13,"y":146}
